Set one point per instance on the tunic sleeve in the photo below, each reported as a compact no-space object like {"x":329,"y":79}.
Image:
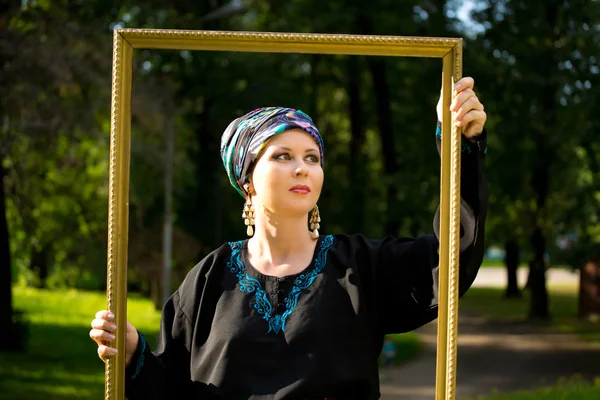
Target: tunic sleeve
{"x":406,"y":271}
{"x":167,"y":372}
{"x":160,"y":374}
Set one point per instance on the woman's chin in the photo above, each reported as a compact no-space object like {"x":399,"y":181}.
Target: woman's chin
{"x":293,"y":208}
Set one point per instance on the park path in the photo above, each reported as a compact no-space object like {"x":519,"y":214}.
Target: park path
{"x":496,"y":277}
{"x":494,"y":356}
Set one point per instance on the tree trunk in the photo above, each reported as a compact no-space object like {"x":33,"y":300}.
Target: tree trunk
{"x":537,"y":268}
{"x":8,"y":339}
{"x":38,"y":264}
{"x":537,"y":278}
{"x":356,"y":169}
{"x":384,"y":121}
{"x":512,"y":265}
{"x":544,"y":156}
{"x":589,"y":291}
{"x":167,"y":241}
{"x":209,"y":188}
{"x":314,"y":88}
{"x":378,"y":70}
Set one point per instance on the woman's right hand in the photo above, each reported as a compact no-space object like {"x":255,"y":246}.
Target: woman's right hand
{"x":103,"y":332}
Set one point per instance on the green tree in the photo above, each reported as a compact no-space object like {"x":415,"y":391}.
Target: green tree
{"x":526,"y":50}
{"x":50,"y":133}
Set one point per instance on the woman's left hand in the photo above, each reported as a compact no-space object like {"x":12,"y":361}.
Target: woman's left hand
{"x":469,"y":114}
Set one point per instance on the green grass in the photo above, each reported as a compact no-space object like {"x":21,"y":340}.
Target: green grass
{"x":61,"y":361}
{"x":572,"y":390}
{"x":492,"y":263}
{"x":408,"y":346}
{"x":490,"y":303}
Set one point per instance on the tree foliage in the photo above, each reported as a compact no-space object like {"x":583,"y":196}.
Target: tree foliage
{"x":535,"y":66}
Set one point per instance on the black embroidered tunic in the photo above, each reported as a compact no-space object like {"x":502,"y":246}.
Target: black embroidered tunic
{"x":230,"y":332}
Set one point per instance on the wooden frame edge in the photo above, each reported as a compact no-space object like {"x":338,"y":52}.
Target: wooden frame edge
{"x":449,"y":233}
{"x":125,"y":40}
{"x":118,"y":210}
{"x":289,"y":42}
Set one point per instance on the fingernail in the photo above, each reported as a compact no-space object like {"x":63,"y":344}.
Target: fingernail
{"x":457,"y":86}
{"x":113,"y":327}
{"x":111,"y":315}
{"x":112,"y":337}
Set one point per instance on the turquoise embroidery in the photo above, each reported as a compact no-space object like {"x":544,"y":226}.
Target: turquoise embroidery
{"x":140,"y":362}
{"x":465,"y":147}
{"x":262,"y":304}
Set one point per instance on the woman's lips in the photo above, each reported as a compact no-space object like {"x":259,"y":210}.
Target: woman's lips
{"x":300,"y":189}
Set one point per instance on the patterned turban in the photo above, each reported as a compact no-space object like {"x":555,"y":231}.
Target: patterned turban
{"x":246,"y":136}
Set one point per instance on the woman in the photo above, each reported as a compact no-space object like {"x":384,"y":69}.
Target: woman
{"x":289,"y":313}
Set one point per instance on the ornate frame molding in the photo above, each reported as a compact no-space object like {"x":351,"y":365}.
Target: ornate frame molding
{"x":125,"y":40}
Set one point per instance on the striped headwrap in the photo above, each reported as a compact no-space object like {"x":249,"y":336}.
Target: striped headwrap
{"x":246,"y":136}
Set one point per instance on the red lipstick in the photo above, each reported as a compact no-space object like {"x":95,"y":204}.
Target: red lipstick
{"x":300,"y":189}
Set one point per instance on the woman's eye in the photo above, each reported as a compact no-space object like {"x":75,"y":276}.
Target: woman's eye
{"x":313,"y":158}
{"x":282,"y":156}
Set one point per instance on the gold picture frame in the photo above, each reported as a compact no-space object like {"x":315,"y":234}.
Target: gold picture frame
{"x":125,"y":40}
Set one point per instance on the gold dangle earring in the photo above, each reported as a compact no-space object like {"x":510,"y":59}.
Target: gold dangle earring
{"x":248,"y":216}
{"x":315,"y":218}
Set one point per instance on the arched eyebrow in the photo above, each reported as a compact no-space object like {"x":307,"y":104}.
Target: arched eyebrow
{"x":310,"y":150}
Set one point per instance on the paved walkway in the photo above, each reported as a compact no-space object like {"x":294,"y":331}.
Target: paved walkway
{"x":496,"y":355}
{"x":496,"y":277}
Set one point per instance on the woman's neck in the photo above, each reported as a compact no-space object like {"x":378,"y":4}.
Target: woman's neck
{"x":281,"y":243}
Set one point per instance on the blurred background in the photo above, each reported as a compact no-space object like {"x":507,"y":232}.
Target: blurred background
{"x":536,"y":66}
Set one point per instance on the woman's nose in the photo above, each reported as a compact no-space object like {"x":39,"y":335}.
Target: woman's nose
{"x":300,"y":170}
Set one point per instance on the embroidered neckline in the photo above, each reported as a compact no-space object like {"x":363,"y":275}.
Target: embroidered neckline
{"x":262,"y":304}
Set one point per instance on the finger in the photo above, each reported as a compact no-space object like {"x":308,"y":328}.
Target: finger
{"x":104,"y":352}
{"x":105,"y":314}
{"x":460,"y":98}
{"x":472,"y":116}
{"x":466,"y":82}
{"x":473,"y":122}
{"x":104,"y":325}
{"x":472,"y":104}
{"x":100,"y":336}
{"x":473,"y":129}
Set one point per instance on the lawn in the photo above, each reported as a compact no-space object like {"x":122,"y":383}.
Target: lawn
{"x":408,"y":346}
{"x":61,"y":361}
{"x":573,"y":390}
{"x":490,"y":303}
{"x":494,"y":263}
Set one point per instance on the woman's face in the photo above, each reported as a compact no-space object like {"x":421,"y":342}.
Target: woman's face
{"x":288,"y":178}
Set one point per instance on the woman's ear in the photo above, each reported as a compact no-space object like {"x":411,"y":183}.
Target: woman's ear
{"x":249,"y":188}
